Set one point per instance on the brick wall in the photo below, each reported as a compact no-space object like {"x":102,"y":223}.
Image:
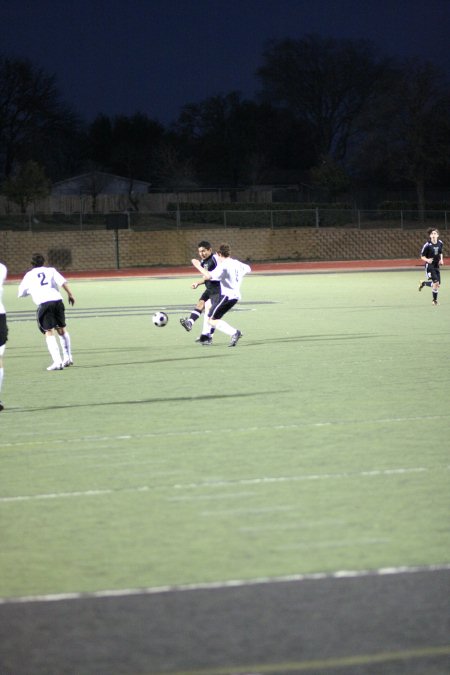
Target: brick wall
{"x":98,"y":249}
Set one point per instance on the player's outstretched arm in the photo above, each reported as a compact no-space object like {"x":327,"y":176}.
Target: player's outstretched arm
{"x":201,"y":269}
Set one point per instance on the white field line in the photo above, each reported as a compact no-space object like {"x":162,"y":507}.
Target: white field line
{"x":288,"y":479}
{"x":310,"y":525}
{"x":77,"y":493}
{"x":218,"y":484}
{"x":219,"y":432}
{"x":332,"y":544}
{"x":232,"y":583}
{"x":249,"y":511}
{"x":206,"y":498}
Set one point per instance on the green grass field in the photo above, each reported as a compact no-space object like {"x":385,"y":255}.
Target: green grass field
{"x":320,"y":443}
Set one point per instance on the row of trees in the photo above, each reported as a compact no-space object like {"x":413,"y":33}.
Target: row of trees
{"x":331,"y":113}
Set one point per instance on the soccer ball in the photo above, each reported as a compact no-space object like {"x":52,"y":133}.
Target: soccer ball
{"x":160,"y":319}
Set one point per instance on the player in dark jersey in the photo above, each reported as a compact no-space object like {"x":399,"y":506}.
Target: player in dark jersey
{"x":432,"y":256}
{"x":212,"y":288}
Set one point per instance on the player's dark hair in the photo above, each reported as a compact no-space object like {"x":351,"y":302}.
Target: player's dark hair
{"x":37,"y":260}
{"x":224,"y":250}
{"x":432,"y":229}
{"x":204,"y":244}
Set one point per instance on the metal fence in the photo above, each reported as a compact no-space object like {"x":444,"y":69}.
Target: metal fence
{"x":229,"y":218}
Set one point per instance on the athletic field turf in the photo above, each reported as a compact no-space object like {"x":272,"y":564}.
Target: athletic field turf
{"x":278,"y":507}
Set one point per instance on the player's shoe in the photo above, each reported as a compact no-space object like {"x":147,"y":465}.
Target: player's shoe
{"x":435,"y":302}
{"x":187,"y":324}
{"x":234,"y":338}
{"x":421,"y":285}
{"x":67,"y":363}
{"x":202,"y":338}
{"x":1,"y":406}
{"x":56,"y":366}
{"x":208,"y":341}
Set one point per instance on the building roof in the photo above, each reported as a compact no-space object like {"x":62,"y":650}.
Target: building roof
{"x":99,"y":182}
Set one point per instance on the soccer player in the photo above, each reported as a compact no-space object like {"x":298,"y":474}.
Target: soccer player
{"x":3,"y":325}
{"x":42,"y":284}
{"x":208,"y":261}
{"x":432,"y":256}
{"x":230,"y":272}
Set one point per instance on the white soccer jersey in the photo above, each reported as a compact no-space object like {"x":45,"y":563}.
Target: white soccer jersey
{"x":42,"y":284}
{"x":3,"y":274}
{"x":230,"y":273}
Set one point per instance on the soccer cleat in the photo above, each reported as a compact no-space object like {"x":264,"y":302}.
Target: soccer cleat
{"x":435,"y":302}
{"x":56,"y":366}
{"x":1,"y":406}
{"x":67,"y":363}
{"x":203,"y":338}
{"x":187,"y":324}
{"x":421,"y":285}
{"x":234,"y":338}
{"x":206,"y":342}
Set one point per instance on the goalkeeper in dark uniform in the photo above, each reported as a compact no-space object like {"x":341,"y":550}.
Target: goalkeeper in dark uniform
{"x":432,"y":256}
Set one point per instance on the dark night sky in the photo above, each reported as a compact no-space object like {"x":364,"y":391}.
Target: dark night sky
{"x":154,"y":56}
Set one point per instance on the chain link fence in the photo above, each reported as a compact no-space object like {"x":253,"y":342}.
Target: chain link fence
{"x":227,"y":218}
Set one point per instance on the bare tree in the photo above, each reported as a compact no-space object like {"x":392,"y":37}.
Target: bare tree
{"x":31,"y":112}
{"x":126,"y":146}
{"x":28,"y":185}
{"x":330,"y":177}
{"x":93,"y":184}
{"x":174,"y":171}
{"x":408,"y":129}
{"x":324,"y":82}
{"x":234,"y":141}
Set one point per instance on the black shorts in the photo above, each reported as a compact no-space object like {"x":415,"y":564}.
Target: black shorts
{"x":220,"y":306}
{"x":3,"y":330}
{"x":207,"y":295}
{"x":434,"y":273}
{"x":51,"y":315}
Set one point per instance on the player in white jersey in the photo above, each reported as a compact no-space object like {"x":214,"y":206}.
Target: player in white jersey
{"x":3,"y":325}
{"x":42,"y":284}
{"x":230,"y":272}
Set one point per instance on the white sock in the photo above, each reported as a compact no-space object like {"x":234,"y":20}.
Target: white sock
{"x":225,"y":327}
{"x":206,"y":325}
{"x":53,"y":348}
{"x":1,"y":378}
{"x":65,"y":344}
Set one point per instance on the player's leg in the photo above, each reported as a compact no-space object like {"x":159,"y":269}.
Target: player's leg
{"x":436,"y":279}
{"x":3,"y":339}
{"x":64,"y":337}
{"x":196,"y":313}
{"x":46,"y":323}
{"x":208,"y":330}
{"x":53,"y":349}
{"x":435,"y":292}
{"x":216,"y":320}
{"x":66,"y":346}
{"x":2,"y":351}
{"x":428,"y":281}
